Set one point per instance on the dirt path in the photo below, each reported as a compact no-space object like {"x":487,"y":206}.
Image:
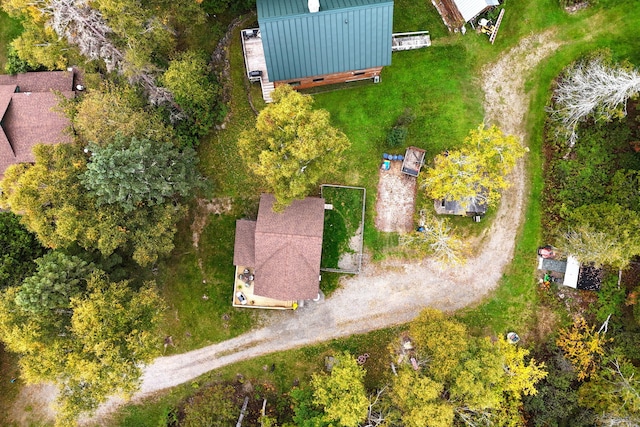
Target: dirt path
{"x":392,"y":293}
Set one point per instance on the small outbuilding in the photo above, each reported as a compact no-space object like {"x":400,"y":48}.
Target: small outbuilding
{"x":571,"y":273}
{"x":469,"y":206}
{"x":277,"y":257}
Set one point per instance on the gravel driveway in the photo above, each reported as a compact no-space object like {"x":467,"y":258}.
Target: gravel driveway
{"x":390,"y":293}
{"x":393,"y":293}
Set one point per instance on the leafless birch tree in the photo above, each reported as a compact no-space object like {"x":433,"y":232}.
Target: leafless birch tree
{"x":439,"y":240}
{"x":85,"y":27}
{"x":592,"y":87}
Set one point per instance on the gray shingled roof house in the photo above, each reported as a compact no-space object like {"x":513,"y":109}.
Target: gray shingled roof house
{"x":343,"y":40}
{"x":283,"y":249}
{"x":26,"y":116}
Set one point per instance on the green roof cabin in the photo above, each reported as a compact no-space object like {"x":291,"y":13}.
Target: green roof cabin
{"x":309,"y":43}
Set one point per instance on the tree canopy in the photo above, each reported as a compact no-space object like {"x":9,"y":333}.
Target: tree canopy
{"x":61,"y":212}
{"x":477,"y":171}
{"x":292,"y":146}
{"x":137,"y":172}
{"x":85,"y":333}
{"x":604,"y":233}
{"x":461,"y":379}
{"x":113,"y":110}
{"x":19,"y":248}
{"x":197,"y":93}
{"x":342,"y":393}
{"x":59,"y":277}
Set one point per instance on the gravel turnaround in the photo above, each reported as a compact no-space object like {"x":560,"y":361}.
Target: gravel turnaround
{"x":393,"y":293}
{"x":384,"y":294}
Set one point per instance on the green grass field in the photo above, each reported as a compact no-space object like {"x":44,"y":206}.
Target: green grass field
{"x":340,"y":223}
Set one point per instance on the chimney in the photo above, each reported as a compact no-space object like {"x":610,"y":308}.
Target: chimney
{"x":314,"y":6}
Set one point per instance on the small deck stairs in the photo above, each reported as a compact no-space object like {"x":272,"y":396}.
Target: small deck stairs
{"x":267,"y":88}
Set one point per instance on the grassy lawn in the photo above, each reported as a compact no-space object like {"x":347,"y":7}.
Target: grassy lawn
{"x":437,"y":85}
{"x":9,"y":29}
{"x":197,"y":288}
{"x":198,"y":282}
{"x":8,"y":389}
{"x":340,"y":223}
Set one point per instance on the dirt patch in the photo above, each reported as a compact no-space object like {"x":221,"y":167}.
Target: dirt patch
{"x":204,"y":209}
{"x":34,"y":405}
{"x":577,"y":7}
{"x":350,"y":260}
{"x":545,"y":324}
{"x":396,"y":200}
{"x":506,"y":104}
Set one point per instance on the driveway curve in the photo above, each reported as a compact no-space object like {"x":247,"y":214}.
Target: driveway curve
{"x":385,"y":294}
{"x":393,"y":293}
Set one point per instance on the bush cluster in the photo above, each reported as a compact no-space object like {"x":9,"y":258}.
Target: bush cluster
{"x":398,"y":133}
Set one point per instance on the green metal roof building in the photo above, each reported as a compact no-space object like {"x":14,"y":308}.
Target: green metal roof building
{"x":344,"y":35}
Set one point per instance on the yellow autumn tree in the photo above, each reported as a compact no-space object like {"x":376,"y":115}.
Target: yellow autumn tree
{"x":342,"y":393}
{"x":462,"y":379}
{"x":583,"y":347}
{"x":439,"y":340}
{"x":292,"y":146}
{"x":419,"y":400}
{"x":477,"y":171}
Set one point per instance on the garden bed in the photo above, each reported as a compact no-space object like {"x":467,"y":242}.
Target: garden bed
{"x":343,"y":229}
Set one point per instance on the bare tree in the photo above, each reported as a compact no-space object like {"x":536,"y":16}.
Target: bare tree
{"x":612,"y":420}
{"x":438,"y":239}
{"x":590,"y":87}
{"x":593,"y":246}
{"x":85,"y":27}
{"x":474,"y":417}
{"x":376,"y":415}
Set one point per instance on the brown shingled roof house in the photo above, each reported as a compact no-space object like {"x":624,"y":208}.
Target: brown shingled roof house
{"x":26,"y":116}
{"x":282,"y":249}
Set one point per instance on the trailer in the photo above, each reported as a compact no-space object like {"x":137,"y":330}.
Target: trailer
{"x":413,"y":161}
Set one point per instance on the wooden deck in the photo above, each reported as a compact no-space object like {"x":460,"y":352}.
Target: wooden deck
{"x":255,"y":61}
{"x":245,"y":288}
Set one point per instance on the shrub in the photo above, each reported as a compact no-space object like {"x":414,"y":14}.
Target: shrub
{"x":15,"y":64}
{"x":396,"y":136}
{"x":196,"y":91}
{"x":398,"y":133}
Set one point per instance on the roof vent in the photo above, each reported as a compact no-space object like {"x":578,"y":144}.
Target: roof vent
{"x":314,"y":6}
